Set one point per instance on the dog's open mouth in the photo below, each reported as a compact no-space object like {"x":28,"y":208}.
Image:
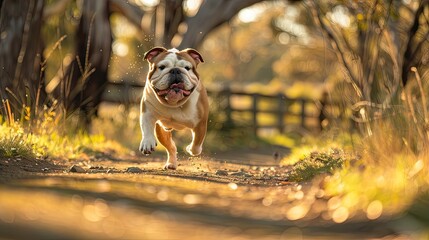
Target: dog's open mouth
{"x":174,"y":89}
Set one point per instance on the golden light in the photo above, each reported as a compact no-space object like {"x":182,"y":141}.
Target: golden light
{"x":232,"y":186}
{"x":299,"y":195}
{"x":418,"y":166}
{"x":250,"y":14}
{"x":121,"y":49}
{"x":162,"y":195}
{"x":297,"y":212}
{"x":192,"y":199}
{"x":267,"y":201}
{"x":334,"y":203}
{"x":191,"y":6}
{"x":148,"y":3}
{"x":340,"y":215}
{"x":284,"y":38}
{"x":340,"y":16}
{"x":374,"y":210}
{"x":350,"y":200}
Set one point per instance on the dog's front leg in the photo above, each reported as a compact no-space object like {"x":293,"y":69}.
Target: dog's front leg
{"x":198,"y":135}
{"x":147,"y":126}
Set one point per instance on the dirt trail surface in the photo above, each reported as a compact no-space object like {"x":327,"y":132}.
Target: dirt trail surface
{"x":234,"y":195}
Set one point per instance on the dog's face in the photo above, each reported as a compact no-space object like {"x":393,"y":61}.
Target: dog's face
{"x":172,"y":74}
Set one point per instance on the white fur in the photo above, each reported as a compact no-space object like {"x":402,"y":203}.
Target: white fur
{"x":160,"y":77}
{"x":187,"y":114}
{"x":173,"y":50}
{"x":147,"y":122}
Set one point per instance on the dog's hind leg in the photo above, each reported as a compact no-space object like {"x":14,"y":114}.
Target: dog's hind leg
{"x":166,"y":140}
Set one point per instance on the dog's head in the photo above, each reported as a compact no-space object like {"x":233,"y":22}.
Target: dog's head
{"x":173,"y":74}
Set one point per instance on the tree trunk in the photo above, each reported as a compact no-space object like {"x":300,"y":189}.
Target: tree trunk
{"x":86,"y":78}
{"x":20,"y":57}
{"x":173,"y":17}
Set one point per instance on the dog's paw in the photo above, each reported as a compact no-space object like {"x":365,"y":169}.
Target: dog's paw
{"x":171,"y":166}
{"x":147,"y":145}
{"x":194,"y":150}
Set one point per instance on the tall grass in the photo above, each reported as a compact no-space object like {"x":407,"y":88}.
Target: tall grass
{"x":47,"y":139}
{"x":46,"y":129}
{"x":388,"y":169}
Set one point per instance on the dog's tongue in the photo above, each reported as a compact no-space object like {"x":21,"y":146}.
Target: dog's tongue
{"x":177,"y":85}
{"x":175,"y":93}
{"x":173,"y":90}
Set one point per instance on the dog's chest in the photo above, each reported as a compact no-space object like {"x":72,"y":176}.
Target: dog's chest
{"x":181,"y":117}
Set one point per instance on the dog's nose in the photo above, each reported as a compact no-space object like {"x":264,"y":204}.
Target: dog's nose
{"x":175,"y":71}
{"x":176,"y":76}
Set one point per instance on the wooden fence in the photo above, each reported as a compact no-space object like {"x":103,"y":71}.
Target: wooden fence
{"x":258,"y":112}
{"x":267,"y":112}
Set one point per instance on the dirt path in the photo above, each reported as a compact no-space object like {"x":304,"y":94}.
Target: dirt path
{"x":234,"y":195}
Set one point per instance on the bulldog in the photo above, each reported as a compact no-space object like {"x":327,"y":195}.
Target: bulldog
{"x":174,"y":98}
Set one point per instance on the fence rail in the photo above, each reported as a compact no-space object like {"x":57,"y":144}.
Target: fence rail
{"x":242,"y":109}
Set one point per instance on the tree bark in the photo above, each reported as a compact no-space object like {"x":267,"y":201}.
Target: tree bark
{"x":20,"y":56}
{"x":410,"y":51}
{"x":86,"y":78}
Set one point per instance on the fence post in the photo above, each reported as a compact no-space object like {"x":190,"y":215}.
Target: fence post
{"x":228,"y":109}
{"x":281,"y":112}
{"x":255,"y":113}
{"x":302,"y":112}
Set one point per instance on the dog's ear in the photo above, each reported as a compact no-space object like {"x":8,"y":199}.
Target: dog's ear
{"x":149,"y":55}
{"x":195,"y":55}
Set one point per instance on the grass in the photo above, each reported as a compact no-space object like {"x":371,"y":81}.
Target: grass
{"x":379,"y":177}
{"x":15,"y":142}
{"x":49,"y":140}
{"x":373,"y":176}
{"x":317,"y":163}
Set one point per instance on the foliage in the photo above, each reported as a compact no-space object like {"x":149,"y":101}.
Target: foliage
{"x":46,"y":139}
{"x":379,"y":47}
{"x":14,"y":142}
{"x":317,"y":163}
{"x":381,"y":183}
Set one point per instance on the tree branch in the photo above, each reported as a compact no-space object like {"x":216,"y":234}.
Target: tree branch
{"x":132,"y":12}
{"x":211,"y":15}
{"x":317,"y":15}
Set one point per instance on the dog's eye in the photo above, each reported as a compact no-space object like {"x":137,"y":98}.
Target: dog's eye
{"x":187,"y":68}
{"x":162,"y":67}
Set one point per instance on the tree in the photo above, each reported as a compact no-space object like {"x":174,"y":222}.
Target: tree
{"x":374,"y":50}
{"x":169,"y":15}
{"x":85,"y":79}
{"x":21,"y":57}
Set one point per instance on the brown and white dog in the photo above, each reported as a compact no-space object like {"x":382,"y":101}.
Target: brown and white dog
{"x":174,"y":98}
